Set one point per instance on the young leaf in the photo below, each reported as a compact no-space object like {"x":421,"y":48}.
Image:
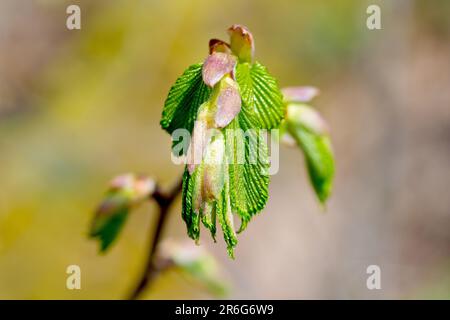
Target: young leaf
{"x":248,"y":171}
{"x":262,"y":101}
{"x":262,"y":108}
{"x":319,"y":158}
{"x":225,"y":215}
{"x":125,"y":192}
{"x":208,"y":214}
{"x":184,"y":99}
{"x":188,"y":214}
{"x":107,"y":226}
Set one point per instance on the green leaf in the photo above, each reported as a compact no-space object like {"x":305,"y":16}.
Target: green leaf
{"x":208,"y":215}
{"x":125,"y":192}
{"x":319,"y":159}
{"x":189,"y":216}
{"x":211,"y":209}
{"x":249,"y":179}
{"x":225,"y":215}
{"x":184,"y":99}
{"x":262,"y":101}
{"x":108,"y":223}
{"x":262,"y":108}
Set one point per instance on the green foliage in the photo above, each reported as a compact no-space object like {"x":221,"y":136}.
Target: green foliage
{"x":261,"y":98}
{"x":238,"y":98}
{"x":184,"y":99}
{"x":227,"y":103}
{"x":125,"y":192}
{"x":249,"y":180}
{"x":310,"y":133}
{"x":107,"y":228}
{"x":245,"y":191}
{"x":226,"y":220}
{"x":262,"y":108}
{"x":190,"y":217}
{"x":319,"y":160}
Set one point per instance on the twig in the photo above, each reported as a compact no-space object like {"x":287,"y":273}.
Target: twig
{"x":164,"y":201}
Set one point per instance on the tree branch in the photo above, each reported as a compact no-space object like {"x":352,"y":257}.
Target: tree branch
{"x":164,"y":201}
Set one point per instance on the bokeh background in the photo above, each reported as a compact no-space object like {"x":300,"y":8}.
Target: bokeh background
{"x":79,"y":107}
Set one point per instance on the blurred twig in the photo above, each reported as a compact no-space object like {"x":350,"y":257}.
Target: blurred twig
{"x":164,"y":201}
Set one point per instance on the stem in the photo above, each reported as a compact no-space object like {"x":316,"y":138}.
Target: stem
{"x":164,"y":201}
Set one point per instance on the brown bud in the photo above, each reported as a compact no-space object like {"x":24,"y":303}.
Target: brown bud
{"x":217,"y":45}
{"x":228,"y":103}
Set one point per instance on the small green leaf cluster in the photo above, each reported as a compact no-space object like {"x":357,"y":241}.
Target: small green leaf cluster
{"x":230,"y":91}
{"x":225,"y":103}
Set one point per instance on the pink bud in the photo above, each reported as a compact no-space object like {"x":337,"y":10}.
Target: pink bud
{"x":299,"y":94}
{"x":216,"y":66}
{"x":228,"y":103}
{"x":307,"y":117}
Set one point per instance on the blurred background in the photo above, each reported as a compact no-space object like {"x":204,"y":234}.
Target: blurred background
{"x":78,"y":107}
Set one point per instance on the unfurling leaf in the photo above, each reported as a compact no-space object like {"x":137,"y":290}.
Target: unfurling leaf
{"x":248,"y":177}
{"x":226,"y":104}
{"x":227,"y":172}
{"x":320,"y":161}
{"x":190,"y":217}
{"x":125,"y":192}
{"x":309,"y":130}
{"x":184,"y":99}
{"x":225,"y":215}
{"x":262,"y":101}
